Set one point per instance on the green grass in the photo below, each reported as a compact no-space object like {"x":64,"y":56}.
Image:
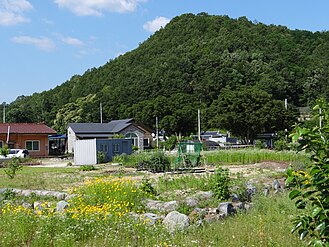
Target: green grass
{"x":250,"y":156}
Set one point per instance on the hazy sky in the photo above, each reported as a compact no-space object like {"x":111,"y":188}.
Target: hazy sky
{"x":46,"y":42}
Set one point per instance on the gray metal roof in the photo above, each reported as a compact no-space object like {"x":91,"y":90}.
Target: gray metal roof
{"x":112,"y":127}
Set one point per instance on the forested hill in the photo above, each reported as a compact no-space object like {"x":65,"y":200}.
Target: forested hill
{"x":186,"y":66}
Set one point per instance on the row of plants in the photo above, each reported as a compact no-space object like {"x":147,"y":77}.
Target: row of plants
{"x":159,"y":161}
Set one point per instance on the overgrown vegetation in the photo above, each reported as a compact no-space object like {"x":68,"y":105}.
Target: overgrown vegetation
{"x":311,"y":191}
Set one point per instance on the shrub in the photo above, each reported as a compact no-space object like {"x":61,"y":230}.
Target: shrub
{"x":281,"y":145}
{"x":87,"y":168}
{"x":147,"y":187}
{"x":101,"y":157}
{"x":220,"y":184}
{"x":12,"y":167}
{"x":311,"y":186}
{"x":157,"y":162}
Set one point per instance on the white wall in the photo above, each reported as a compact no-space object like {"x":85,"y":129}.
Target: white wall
{"x":70,"y":140}
{"x":85,"y":152}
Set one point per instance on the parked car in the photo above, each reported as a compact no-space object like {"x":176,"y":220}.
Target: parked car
{"x":19,"y":153}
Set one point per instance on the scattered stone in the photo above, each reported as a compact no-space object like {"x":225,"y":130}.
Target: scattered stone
{"x":150,"y":218}
{"x":266,"y":191}
{"x":210,"y":218}
{"x":27,"y":205}
{"x":61,"y":206}
{"x":235,"y":197}
{"x":240,"y":206}
{"x":175,"y":221}
{"x":248,"y":206}
{"x":226,"y":208}
{"x":191,"y":202}
{"x":37,"y":205}
{"x":276,"y":186}
{"x":206,"y":195}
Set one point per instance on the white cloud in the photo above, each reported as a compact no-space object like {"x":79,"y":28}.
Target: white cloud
{"x":42,"y":43}
{"x":156,"y":24}
{"x":12,"y":11}
{"x":72,"y":41}
{"x":97,"y":7}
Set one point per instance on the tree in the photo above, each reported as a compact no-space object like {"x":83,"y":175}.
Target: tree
{"x":248,"y":111}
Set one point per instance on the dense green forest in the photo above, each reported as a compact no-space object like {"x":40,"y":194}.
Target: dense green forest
{"x":196,"y":61}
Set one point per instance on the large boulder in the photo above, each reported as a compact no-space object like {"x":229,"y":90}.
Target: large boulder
{"x":175,"y":221}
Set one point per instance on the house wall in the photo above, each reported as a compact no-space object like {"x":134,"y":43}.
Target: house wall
{"x":19,"y":141}
{"x":71,"y":138}
{"x":113,"y":147}
{"x":138,"y":132}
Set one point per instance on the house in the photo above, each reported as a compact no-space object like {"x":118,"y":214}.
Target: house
{"x":217,"y":137}
{"x":30,"y":136}
{"x":140,"y":135}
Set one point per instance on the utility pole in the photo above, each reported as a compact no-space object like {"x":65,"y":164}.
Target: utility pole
{"x":4,"y":112}
{"x":101,"y":111}
{"x":199,"y":125}
{"x":157,"y":131}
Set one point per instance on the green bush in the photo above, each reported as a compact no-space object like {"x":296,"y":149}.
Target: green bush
{"x":220,"y":184}
{"x":281,"y":145}
{"x":101,"y":157}
{"x":87,"y":168}
{"x":157,"y":162}
{"x":12,"y":167}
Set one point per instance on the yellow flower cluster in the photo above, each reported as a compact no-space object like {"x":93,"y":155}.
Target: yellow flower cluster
{"x":14,"y":209}
{"x":103,"y":197}
{"x":303,"y":176}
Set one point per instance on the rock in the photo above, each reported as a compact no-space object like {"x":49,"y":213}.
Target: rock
{"x":250,"y":190}
{"x":266,"y":191}
{"x":59,"y":195}
{"x":206,"y":195}
{"x":248,"y":206}
{"x":210,"y":218}
{"x":276,"y":186}
{"x":61,"y":206}
{"x":175,"y":221}
{"x":240,"y":206}
{"x":191,"y":202}
{"x":153,"y":204}
{"x":37,"y":205}
{"x":226,"y":208}
{"x":169,"y":206}
{"x":27,"y":205}
{"x":213,"y":211}
{"x":150,"y":218}
{"x":235,"y":197}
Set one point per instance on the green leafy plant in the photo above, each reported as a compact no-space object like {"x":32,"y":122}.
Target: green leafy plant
{"x":4,"y":151}
{"x":147,"y":187}
{"x":157,"y":162}
{"x":101,"y":157}
{"x":220,"y":184}
{"x":86,"y":168}
{"x":13,"y":166}
{"x":311,"y":187}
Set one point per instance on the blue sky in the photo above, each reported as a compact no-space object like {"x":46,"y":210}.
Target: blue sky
{"x":46,"y":42}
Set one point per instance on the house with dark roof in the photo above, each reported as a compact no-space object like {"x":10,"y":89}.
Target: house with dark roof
{"x":141,"y":136}
{"x":30,"y":136}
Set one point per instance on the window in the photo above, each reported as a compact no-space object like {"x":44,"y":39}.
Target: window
{"x":32,"y":145}
{"x":116,"y":148}
{"x":133,"y":136}
{"x":104,"y":148}
{"x":146,"y":142}
{"x":1,"y":144}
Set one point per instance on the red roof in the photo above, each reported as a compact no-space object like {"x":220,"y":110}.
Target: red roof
{"x":26,"y":128}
